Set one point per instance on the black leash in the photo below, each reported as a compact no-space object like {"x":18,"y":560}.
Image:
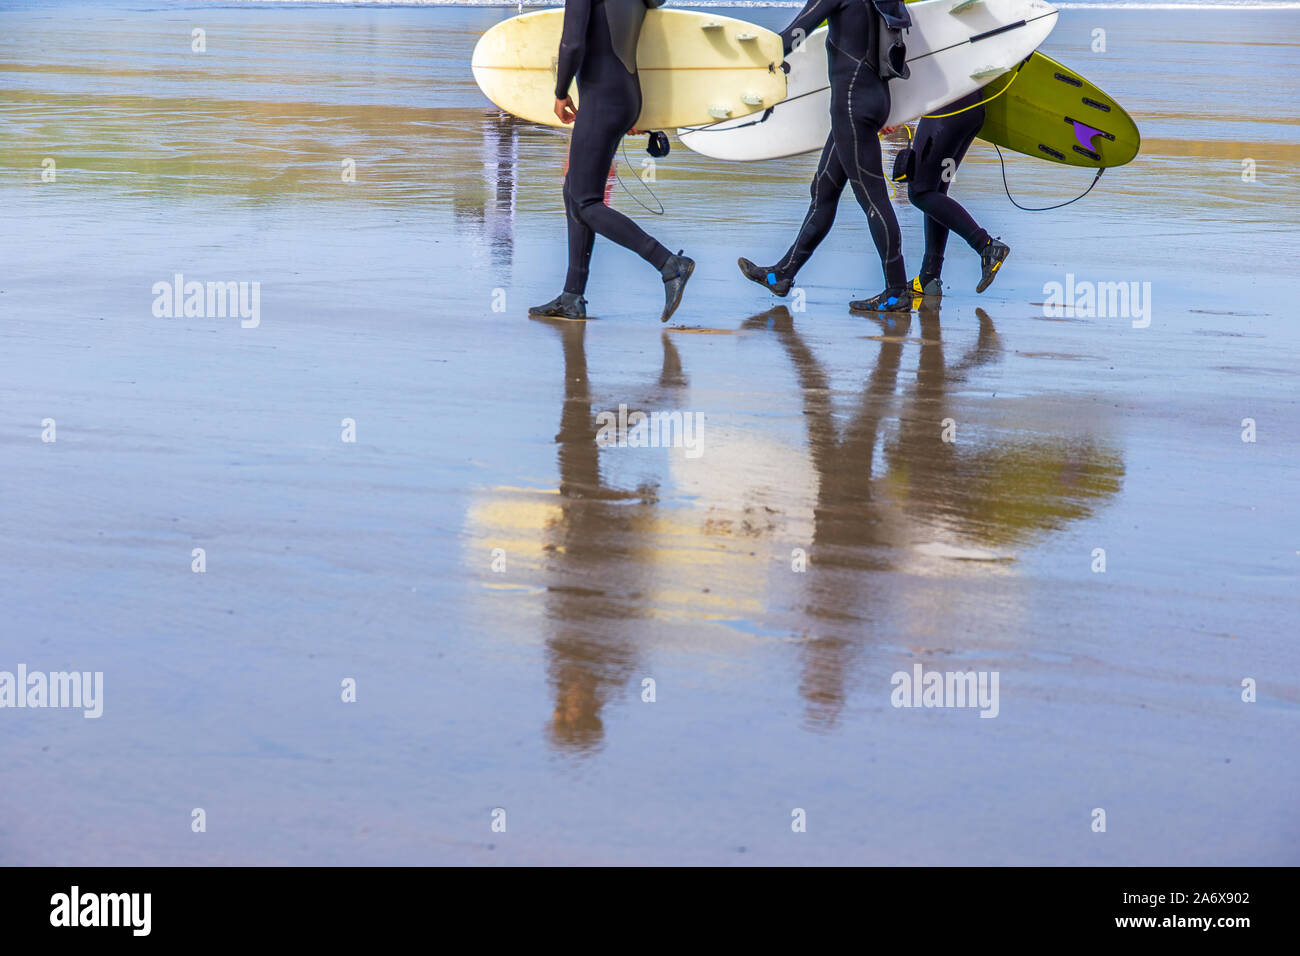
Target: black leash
{"x":636,"y":199}
{"x":1095,"y":180}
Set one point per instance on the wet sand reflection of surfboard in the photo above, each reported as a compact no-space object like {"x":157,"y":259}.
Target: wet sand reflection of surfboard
{"x":954,"y":47}
{"x":694,"y":67}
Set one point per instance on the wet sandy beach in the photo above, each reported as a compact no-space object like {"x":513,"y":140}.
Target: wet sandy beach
{"x":867,"y":496}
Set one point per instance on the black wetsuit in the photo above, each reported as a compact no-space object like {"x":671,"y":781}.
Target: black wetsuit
{"x":827,"y":185}
{"x":947,"y":137}
{"x":937,"y":140}
{"x":598,"y":46}
{"x":859,"y":107}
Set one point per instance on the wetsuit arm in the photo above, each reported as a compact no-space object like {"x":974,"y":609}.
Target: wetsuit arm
{"x":813,"y":13}
{"x":572,"y":41}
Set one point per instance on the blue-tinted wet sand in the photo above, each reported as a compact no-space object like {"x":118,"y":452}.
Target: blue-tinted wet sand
{"x":475,"y":431}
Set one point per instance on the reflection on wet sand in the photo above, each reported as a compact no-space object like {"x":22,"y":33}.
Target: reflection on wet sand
{"x":1003,"y":490}
{"x":867,"y":522}
{"x":887,"y":495}
{"x":519,"y":686}
{"x":589,"y":655}
{"x":848,"y":520}
{"x":491,"y":215}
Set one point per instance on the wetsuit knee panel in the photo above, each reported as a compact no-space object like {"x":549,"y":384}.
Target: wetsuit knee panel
{"x":825,"y":188}
{"x":922,"y":196}
{"x":583,"y":208}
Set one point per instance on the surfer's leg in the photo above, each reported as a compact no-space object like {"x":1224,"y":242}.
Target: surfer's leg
{"x":941,"y":146}
{"x":947,"y":212}
{"x":616,"y":227}
{"x":858,"y":109}
{"x":570,"y":304}
{"x":610,"y":113}
{"x":936,"y":241}
{"x":602,"y":123}
{"x":827,"y":185}
{"x":581,"y":240}
{"x":992,"y":252}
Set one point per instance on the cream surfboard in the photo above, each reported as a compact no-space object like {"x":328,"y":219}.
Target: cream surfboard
{"x":694,"y":67}
{"x":954,"y":47}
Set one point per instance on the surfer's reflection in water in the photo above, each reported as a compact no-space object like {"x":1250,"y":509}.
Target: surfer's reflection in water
{"x":594,"y":569}
{"x":490,"y":211}
{"x":882,"y":485}
{"x":617,"y":567}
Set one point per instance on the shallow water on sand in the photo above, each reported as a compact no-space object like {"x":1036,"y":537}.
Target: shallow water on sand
{"x":398,"y":301}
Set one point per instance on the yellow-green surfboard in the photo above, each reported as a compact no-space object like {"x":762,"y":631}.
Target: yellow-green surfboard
{"x":1050,"y":112}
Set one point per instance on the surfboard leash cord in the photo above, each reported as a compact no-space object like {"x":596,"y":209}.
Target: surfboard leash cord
{"x":637,"y":199}
{"x":1003,"y":162}
{"x":1014,"y":77}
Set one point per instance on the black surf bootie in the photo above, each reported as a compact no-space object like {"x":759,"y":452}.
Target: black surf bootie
{"x":567,"y":305}
{"x":765,"y":277}
{"x":991,"y":258}
{"x":891,"y":300}
{"x":676,"y":271}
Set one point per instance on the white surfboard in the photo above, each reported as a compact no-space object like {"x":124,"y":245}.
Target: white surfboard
{"x":954,"y":47}
{"x":693,"y":67}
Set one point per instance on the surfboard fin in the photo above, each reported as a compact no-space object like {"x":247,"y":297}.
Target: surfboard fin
{"x":719,"y":112}
{"x":1087,"y":135}
{"x":712,"y":25}
{"x":965,"y":5}
{"x":746,"y":37}
{"x":988,"y":72}
{"x":752,"y":99}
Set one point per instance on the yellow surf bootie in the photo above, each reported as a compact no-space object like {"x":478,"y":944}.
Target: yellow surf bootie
{"x":931,"y":288}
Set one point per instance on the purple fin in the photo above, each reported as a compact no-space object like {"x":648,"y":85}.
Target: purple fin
{"x":1085,"y":134}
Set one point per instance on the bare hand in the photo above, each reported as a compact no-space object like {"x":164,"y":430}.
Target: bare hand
{"x":636,"y":132}
{"x":889,"y":130}
{"x":565,"y":110}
